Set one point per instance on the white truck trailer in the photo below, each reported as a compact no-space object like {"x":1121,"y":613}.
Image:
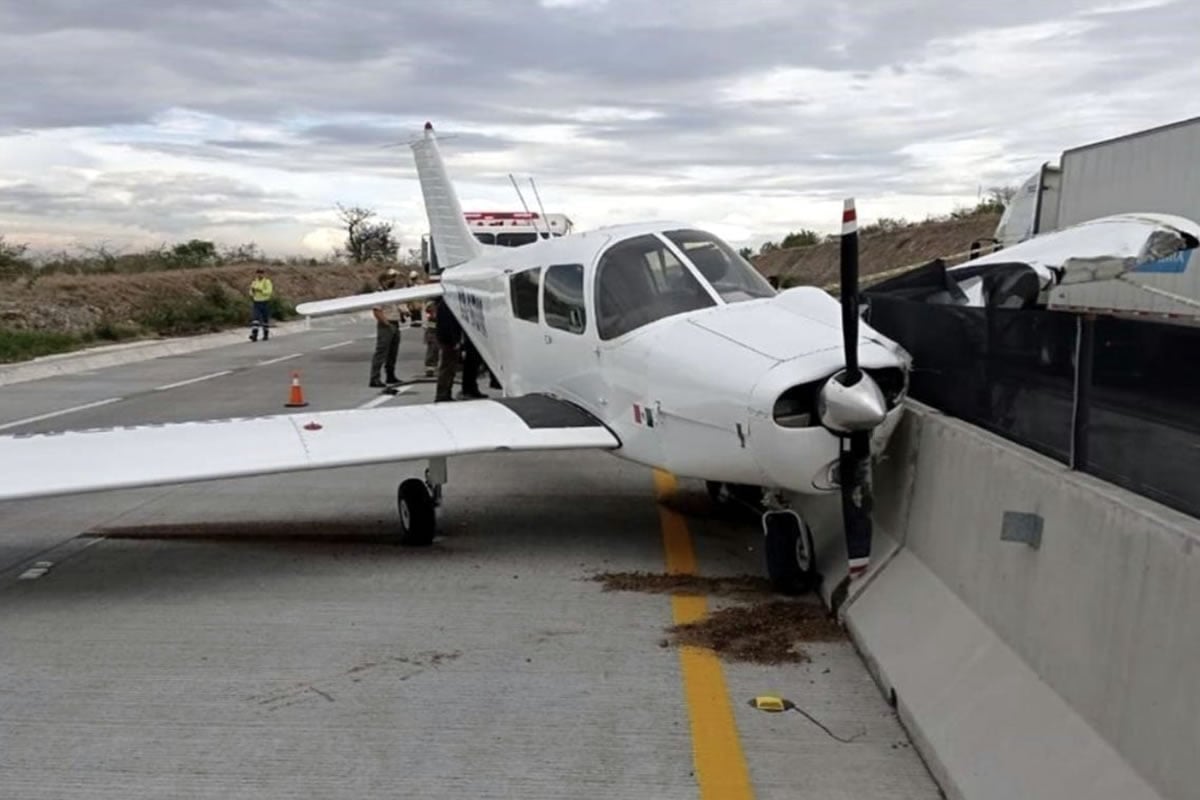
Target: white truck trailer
{"x":1155,"y":170}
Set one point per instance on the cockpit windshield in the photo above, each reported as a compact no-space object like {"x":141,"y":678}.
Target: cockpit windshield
{"x":728,"y":273}
{"x":639,"y":281}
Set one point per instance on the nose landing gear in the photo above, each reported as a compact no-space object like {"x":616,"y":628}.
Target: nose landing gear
{"x":787,"y":540}
{"x":791,"y":560}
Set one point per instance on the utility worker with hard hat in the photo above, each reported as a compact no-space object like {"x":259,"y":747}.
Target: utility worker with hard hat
{"x":413,"y":310}
{"x":261,"y":292}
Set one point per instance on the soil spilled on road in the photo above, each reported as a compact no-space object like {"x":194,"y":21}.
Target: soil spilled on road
{"x":762,"y":629}
{"x":762,"y":633}
{"x":661,"y":583}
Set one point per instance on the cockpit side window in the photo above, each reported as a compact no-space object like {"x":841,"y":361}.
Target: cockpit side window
{"x":562,"y":297}
{"x":728,"y":273}
{"x":523,"y":289}
{"x":639,"y":281}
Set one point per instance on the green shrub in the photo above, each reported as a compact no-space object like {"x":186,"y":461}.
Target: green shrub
{"x":281,"y":309}
{"x":24,"y":345}
{"x":181,"y":315}
{"x":109,"y":331}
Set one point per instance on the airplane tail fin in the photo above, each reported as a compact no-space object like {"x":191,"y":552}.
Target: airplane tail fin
{"x":452,"y":239}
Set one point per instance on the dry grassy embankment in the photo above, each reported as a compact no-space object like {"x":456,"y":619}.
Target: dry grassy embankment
{"x":917,"y":243}
{"x":59,"y":312}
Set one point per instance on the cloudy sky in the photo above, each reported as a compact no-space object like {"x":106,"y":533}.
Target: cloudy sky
{"x":150,"y":121}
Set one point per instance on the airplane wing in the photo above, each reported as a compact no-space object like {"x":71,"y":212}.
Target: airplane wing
{"x":37,"y":465}
{"x":359,"y":302}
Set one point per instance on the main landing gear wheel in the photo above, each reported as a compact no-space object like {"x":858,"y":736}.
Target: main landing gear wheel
{"x":788,"y":543}
{"x":418,"y":521}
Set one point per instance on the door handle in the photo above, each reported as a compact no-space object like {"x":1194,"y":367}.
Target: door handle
{"x":548,"y":340}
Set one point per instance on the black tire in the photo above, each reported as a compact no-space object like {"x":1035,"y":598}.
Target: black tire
{"x":790,"y":555}
{"x":418,"y":521}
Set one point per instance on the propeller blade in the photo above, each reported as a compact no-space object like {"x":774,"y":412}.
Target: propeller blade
{"x":855,"y":466}
{"x":855,"y":458}
{"x":849,"y":290}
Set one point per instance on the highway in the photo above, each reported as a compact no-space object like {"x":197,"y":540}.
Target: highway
{"x":267,"y":638}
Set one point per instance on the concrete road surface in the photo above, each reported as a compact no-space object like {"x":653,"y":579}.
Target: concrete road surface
{"x":266,"y":637}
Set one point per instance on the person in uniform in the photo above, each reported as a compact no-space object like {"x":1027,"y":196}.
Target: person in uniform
{"x":413,"y":311}
{"x":261,"y":292}
{"x":431,"y":341}
{"x":450,"y":338}
{"x":387,"y":335}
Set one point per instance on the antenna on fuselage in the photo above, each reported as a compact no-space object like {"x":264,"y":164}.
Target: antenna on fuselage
{"x":526,"y":205}
{"x":537,"y":195}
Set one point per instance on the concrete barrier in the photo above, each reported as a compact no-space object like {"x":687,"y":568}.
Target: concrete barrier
{"x":1036,"y":627}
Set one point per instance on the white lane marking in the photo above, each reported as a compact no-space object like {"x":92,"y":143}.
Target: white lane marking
{"x":378,"y":401}
{"x":277,"y":360}
{"x":339,"y":344}
{"x":18,"y":423}
{"x":190,"y":381}
{"x":68,"y":549}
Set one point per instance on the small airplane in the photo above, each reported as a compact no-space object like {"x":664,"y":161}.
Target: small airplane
{"x":655,"y":342}
{"x":1119,"y":247}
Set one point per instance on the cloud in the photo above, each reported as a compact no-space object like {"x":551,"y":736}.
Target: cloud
{"x":237,"y":119}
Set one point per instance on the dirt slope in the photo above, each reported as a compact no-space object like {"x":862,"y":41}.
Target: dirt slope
{"x":878,"y":252}
{"x":76,"y":304}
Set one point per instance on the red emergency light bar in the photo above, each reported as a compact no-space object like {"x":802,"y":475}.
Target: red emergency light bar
{"x":474,"y":216}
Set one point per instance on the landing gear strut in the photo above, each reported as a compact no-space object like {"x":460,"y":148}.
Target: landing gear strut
{"x":787,"y":539}
{"x":417,"y":502}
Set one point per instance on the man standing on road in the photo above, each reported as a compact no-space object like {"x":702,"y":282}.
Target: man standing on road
{"x":450,"y":336}
{"x":431,"y":340}
{"x":387,"y":335}
{"x":261,"y":291}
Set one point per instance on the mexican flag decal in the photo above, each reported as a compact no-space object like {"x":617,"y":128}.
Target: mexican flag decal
{"x":643,"y":415}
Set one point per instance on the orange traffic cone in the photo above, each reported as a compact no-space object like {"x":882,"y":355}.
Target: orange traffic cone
{"x":296,"y":399}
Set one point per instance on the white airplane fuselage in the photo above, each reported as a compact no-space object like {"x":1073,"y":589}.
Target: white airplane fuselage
{"x":694,"y":392}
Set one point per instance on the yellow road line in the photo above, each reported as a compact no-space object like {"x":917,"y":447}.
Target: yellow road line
{"x":716,"y":750}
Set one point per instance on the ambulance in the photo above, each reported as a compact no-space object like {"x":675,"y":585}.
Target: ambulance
{"x":504,"y":229}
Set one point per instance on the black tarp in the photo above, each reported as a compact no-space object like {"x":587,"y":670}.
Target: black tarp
{"x":1013,"y":372}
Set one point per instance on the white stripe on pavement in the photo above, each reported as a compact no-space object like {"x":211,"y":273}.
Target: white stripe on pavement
{"x":52,"y":414}
{"x":339,"y":344}
{"x":177,"y":384}
{"x":378,"y":401}
{"x":277,"y":360}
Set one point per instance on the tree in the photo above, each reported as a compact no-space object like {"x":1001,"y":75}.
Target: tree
{"x":194,"y":253}
{"x":242,"y":253}
{"x":746,"y":253}
{"x":800,"y":239}
{"x":1002,"y":195}
{"x":13,"y":263}
{"x":367,"y":240}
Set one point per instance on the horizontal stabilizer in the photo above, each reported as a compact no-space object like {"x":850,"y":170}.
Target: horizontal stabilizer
{"x":360,"y":302}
